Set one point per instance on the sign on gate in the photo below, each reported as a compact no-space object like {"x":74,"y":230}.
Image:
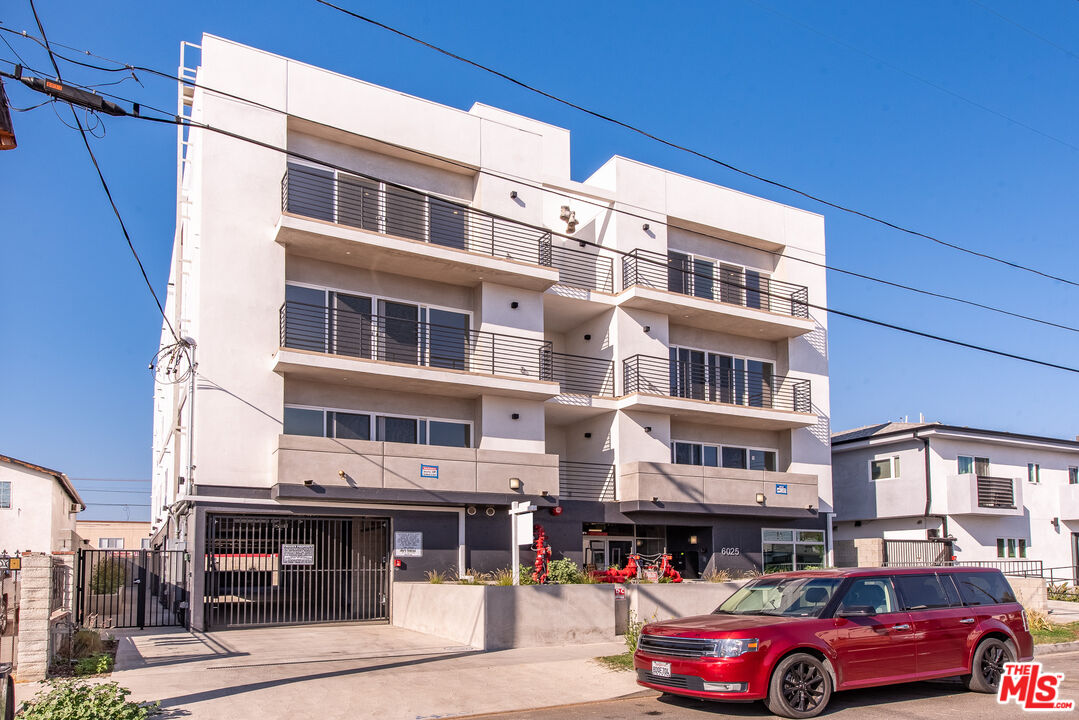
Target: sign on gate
{"x":10,"y":563}
{"x":408,"y":544}
{"x":297,"y":554}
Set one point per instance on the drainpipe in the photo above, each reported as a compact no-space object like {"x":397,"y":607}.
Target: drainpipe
{"x":929,"y":488}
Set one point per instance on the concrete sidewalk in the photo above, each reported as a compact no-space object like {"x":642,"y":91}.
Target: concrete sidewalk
{"x":348,"y":671}
{"x":1063,"y":611}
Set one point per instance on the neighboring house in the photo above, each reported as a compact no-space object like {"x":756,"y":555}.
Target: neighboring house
{"x":37,"y":508}
{"x":386,"y":362}
{"x":114,"y":534}
{"x":1002,"y":496}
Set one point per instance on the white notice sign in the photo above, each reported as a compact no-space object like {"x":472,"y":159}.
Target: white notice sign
{"x":297,"y":554}
{"x":524,"y":528}
{"x":408,"y":544}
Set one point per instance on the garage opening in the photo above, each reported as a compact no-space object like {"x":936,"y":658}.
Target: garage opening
{"x":271,"y":570}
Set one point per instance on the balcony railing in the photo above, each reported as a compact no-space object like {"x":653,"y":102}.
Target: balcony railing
{"x":697,"y":381}
{"x":586,"y":481}
{"x":583,"y":375}
{"x":733,"y":285}
{"x":994,"y":492}
{"x":375,"y":337}
{"x":378,"y":207}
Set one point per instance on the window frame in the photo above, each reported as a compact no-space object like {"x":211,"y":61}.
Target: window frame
{"x":893,"y":464}
{"x":5,"y":497}
{"x":718,"y":447}
{"x":1034,"y":473}
{"x":107,"y":543}
{"x":1073,"y":474}
{"x":718,"y":266}
{"x":373,"y":419}
{"x":795,"y":542}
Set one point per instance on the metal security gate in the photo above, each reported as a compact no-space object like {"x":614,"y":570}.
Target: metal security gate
{"x":917,"y":553}
{"x":9,"y":614}
{"x":270,"y":570}
{"x":131,"y":588}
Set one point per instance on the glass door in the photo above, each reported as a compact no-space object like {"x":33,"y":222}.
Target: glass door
{"x":447,"y":224}
{"x":688,"y":373}
{"x":350,"y":324}
{"x":399,"y":332}
{"x":448,"y":339}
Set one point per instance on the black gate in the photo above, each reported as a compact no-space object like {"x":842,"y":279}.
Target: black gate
{"x":131,"y":588}
{"x":917,"y":553}
{"x":9,"y":615}
{"x":268,"y":570}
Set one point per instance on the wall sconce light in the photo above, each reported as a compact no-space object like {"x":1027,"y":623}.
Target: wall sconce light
{"x":340,"y":473}
{"x":489,"y":512}
{"x":644,"y":227}
{"x":513,"y":194}
{"x":692,"y":539}
{"x":471,"y":510}
{"x":647,"y":328}
{"x":1055,"y":522}
{"x":514,"y":304}
{"x":655,"y":498}
{"x":308,"y":483}
{"x":569,"y":217}
{"x":588,"y":435}
{"x":515,"y":416}
{"x":587,"y":337}
{"x":648,"y":428}
{"x":515,"y":483}
{"x":760,"y":498}
{"x":544,"y":493}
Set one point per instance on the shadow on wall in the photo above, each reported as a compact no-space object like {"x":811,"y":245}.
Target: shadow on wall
{"x":822,"y":430}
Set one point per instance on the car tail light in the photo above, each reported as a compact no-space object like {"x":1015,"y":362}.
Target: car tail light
{"x":1026,"y":621}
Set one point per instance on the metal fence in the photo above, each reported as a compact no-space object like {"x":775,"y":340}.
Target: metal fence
{"x":697,"y":381}
{"x":581,"y":375}
{"x":131,"y":588}
{"x":268,"y":570}
{"x":586,"y":481}
{"x":917,"y":553}
{"x":365,"y":335}
{"x":734,"y":285}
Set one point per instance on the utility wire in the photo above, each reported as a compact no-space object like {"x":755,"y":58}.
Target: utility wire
{"x":605,"y":206}
{"x":1025,"y":29}
{"x":101,"y":177}
{"x":700,"y":154}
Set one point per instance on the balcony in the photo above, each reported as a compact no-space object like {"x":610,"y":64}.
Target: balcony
{"x":399,"y":472}
{"x":1069,"y":503}
{"x":580,"y":375}
{"x":706,"y":393}
{"x":750,"y":304}
{"x":698,"y":488}
{"x":971,"y":494}
{"x":586,"y":481}
{"x":356,"y":221}
{"x":332,"y":344}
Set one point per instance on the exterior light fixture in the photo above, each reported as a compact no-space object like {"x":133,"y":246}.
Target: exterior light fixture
{"x":308,"y":483}
{"x":647,"y":328}
{"x":513,"y":194}
{"x":515,"y":416}
{"x":692,"y":539}
{"x":760,"y":498}
{"x":340,"y":473}
{"x":648,"y":428}
{"x":556,"y":510}
{"x":655,"y":498}
{"x":544,"y":493}
{"x":515,"y":483}
{"x":587,"y":337}
{"x":489,"y":512}
{"x":471,"y":510}
{"x":644,"y":227}
{"x":588,"y":435}
{"x":515,"y":304}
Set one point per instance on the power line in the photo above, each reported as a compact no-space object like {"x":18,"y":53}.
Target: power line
{"x":108,"y":480}
{"x":118,"y":492}
{"x":101,"y":178}
{"x":101,"y":504}
{"x":700,"y":154}
{"x":1025,"y":29}
{"x":603,"y":206}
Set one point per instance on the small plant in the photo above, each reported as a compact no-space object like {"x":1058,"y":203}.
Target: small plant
{"x":98,"y":664}
{"x":472,"y":577}
{"x":108,"y":576}
{"x":633,"y":631}
{"x":85,"y":701}
{"x":1062,"y":591}
{"x":502,"y":576}
{"x":564,"y":572}
{"x":435,"y":577}
{"x":714,"y":575}
{"x":86,"y":642}
{"x":526,"y":575}
{"x":1038,"y":620}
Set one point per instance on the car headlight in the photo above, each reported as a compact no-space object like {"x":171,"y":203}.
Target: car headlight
{"x":733,"y":647}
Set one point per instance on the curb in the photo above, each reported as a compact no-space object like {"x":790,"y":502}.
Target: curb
{"x":568,"y":706}
{"x":1054,"y":648}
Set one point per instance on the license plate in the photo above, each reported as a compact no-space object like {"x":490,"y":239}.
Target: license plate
{"x":661,"y":669}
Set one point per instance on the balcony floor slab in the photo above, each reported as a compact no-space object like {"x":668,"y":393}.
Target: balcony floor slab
{"x":715,"y":413}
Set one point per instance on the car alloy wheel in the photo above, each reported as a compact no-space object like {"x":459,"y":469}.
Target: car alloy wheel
{"x":993,"y":660}
{"x":988,"y":665}
{"x":803,"y":687}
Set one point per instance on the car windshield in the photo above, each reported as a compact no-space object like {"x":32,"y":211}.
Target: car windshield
{"x":793,"y":597}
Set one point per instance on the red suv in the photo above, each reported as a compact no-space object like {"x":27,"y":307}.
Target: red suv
{"x":792,"y":638}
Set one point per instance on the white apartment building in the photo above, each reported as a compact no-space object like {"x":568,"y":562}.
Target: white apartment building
{"x":37,"y":508}
{"x":1008,"y":499}
{"x":417,"y":318}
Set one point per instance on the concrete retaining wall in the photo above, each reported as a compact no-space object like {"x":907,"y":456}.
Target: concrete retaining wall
{"x":666,"y":601}
{"x":1031,"y":592}
{"x":455,"y":612}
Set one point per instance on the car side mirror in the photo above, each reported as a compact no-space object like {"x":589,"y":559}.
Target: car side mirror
{"x":856,"y":611}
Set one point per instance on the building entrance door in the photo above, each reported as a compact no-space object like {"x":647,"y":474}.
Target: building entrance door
{"x":605,"y":552}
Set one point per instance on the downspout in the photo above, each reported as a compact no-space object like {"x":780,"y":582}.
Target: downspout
{"x":929,"y":488}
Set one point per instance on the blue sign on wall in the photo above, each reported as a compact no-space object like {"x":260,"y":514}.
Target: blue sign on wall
{"x":429,"y":471}
{"x":781,"y":489}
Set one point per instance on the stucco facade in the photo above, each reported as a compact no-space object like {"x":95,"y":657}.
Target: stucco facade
{"x":119,"y":534}
{"x":413,"y":276}
{"x":982,"y":491}
{"x":38,"y":508}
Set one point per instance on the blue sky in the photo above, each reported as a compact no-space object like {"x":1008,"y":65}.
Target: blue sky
{"x":893,"y":108}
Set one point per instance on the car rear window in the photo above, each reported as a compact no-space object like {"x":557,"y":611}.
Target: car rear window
{"x":984,"y":588}
{"x":920,"y":592}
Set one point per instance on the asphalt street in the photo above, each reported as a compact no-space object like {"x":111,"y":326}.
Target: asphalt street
{"x":915,"y":700}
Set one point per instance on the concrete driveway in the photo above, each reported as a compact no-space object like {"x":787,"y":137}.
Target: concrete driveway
{"x":349,"y":671}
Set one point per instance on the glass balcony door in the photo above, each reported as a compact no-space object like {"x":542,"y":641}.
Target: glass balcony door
{"x":398,"y":334}
{"x":350,"y":324}
{"x":688,"y":377}
{"x":448,"y":339}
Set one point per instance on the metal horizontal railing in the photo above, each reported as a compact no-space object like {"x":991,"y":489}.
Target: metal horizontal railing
{"x":697,"y":381}
{"x":732,"y":285}
{"x":582,"y":375}
{"x":994,"y":492}
{"x":586,"y":481}
{"x":1022,"y":568}
{"x":379,"y":207}
{"x":375,"y":337}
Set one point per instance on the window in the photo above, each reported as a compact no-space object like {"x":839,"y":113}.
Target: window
{"x":302,"y":421}
{"x":984,"y":588}
{"x":884,"y":469}
{"x":145,"y":543}
{"x":449,"y":434}
{"x":920,"y":592}
{"x":383,"y":428}
{"x":1073,"y":475}
{"x":792,"y":549}
{"x":349,"y":426}
{"x":1011,"y":547}
{"x":684,"y":453}
{"x":696,"y":275}
{"x":1034,"y":472}
{"x":874,"y":592}
{"x":1022,"y":547}
{"x":5,"y":493}
{"x":1000,"y":547}
{"x":110,"y":543}
{"x":966,"y":464}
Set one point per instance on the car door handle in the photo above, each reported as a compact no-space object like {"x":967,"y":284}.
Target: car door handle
{"x":967,"y":621}
{"x":903,"y":626}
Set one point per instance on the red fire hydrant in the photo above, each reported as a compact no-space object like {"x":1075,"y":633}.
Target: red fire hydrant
{"x":543,"y":556}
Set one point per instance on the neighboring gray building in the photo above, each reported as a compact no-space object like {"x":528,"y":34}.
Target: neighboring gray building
{"x":424,"y":318}
{"x":1002,"y":496}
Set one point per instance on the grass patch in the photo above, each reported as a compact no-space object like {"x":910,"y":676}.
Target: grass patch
{"x":617,"y":662}
{"x":1056,"y":634}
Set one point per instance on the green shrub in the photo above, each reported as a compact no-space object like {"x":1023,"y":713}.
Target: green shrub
{"x":94,"y":664}
{"x":564,"y":572}
{"x":108,"y":576}
{"x":526,"y":575}
{"x":633,"y":631}
{"x":85,"y":643}
{"x":64,"y":699}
